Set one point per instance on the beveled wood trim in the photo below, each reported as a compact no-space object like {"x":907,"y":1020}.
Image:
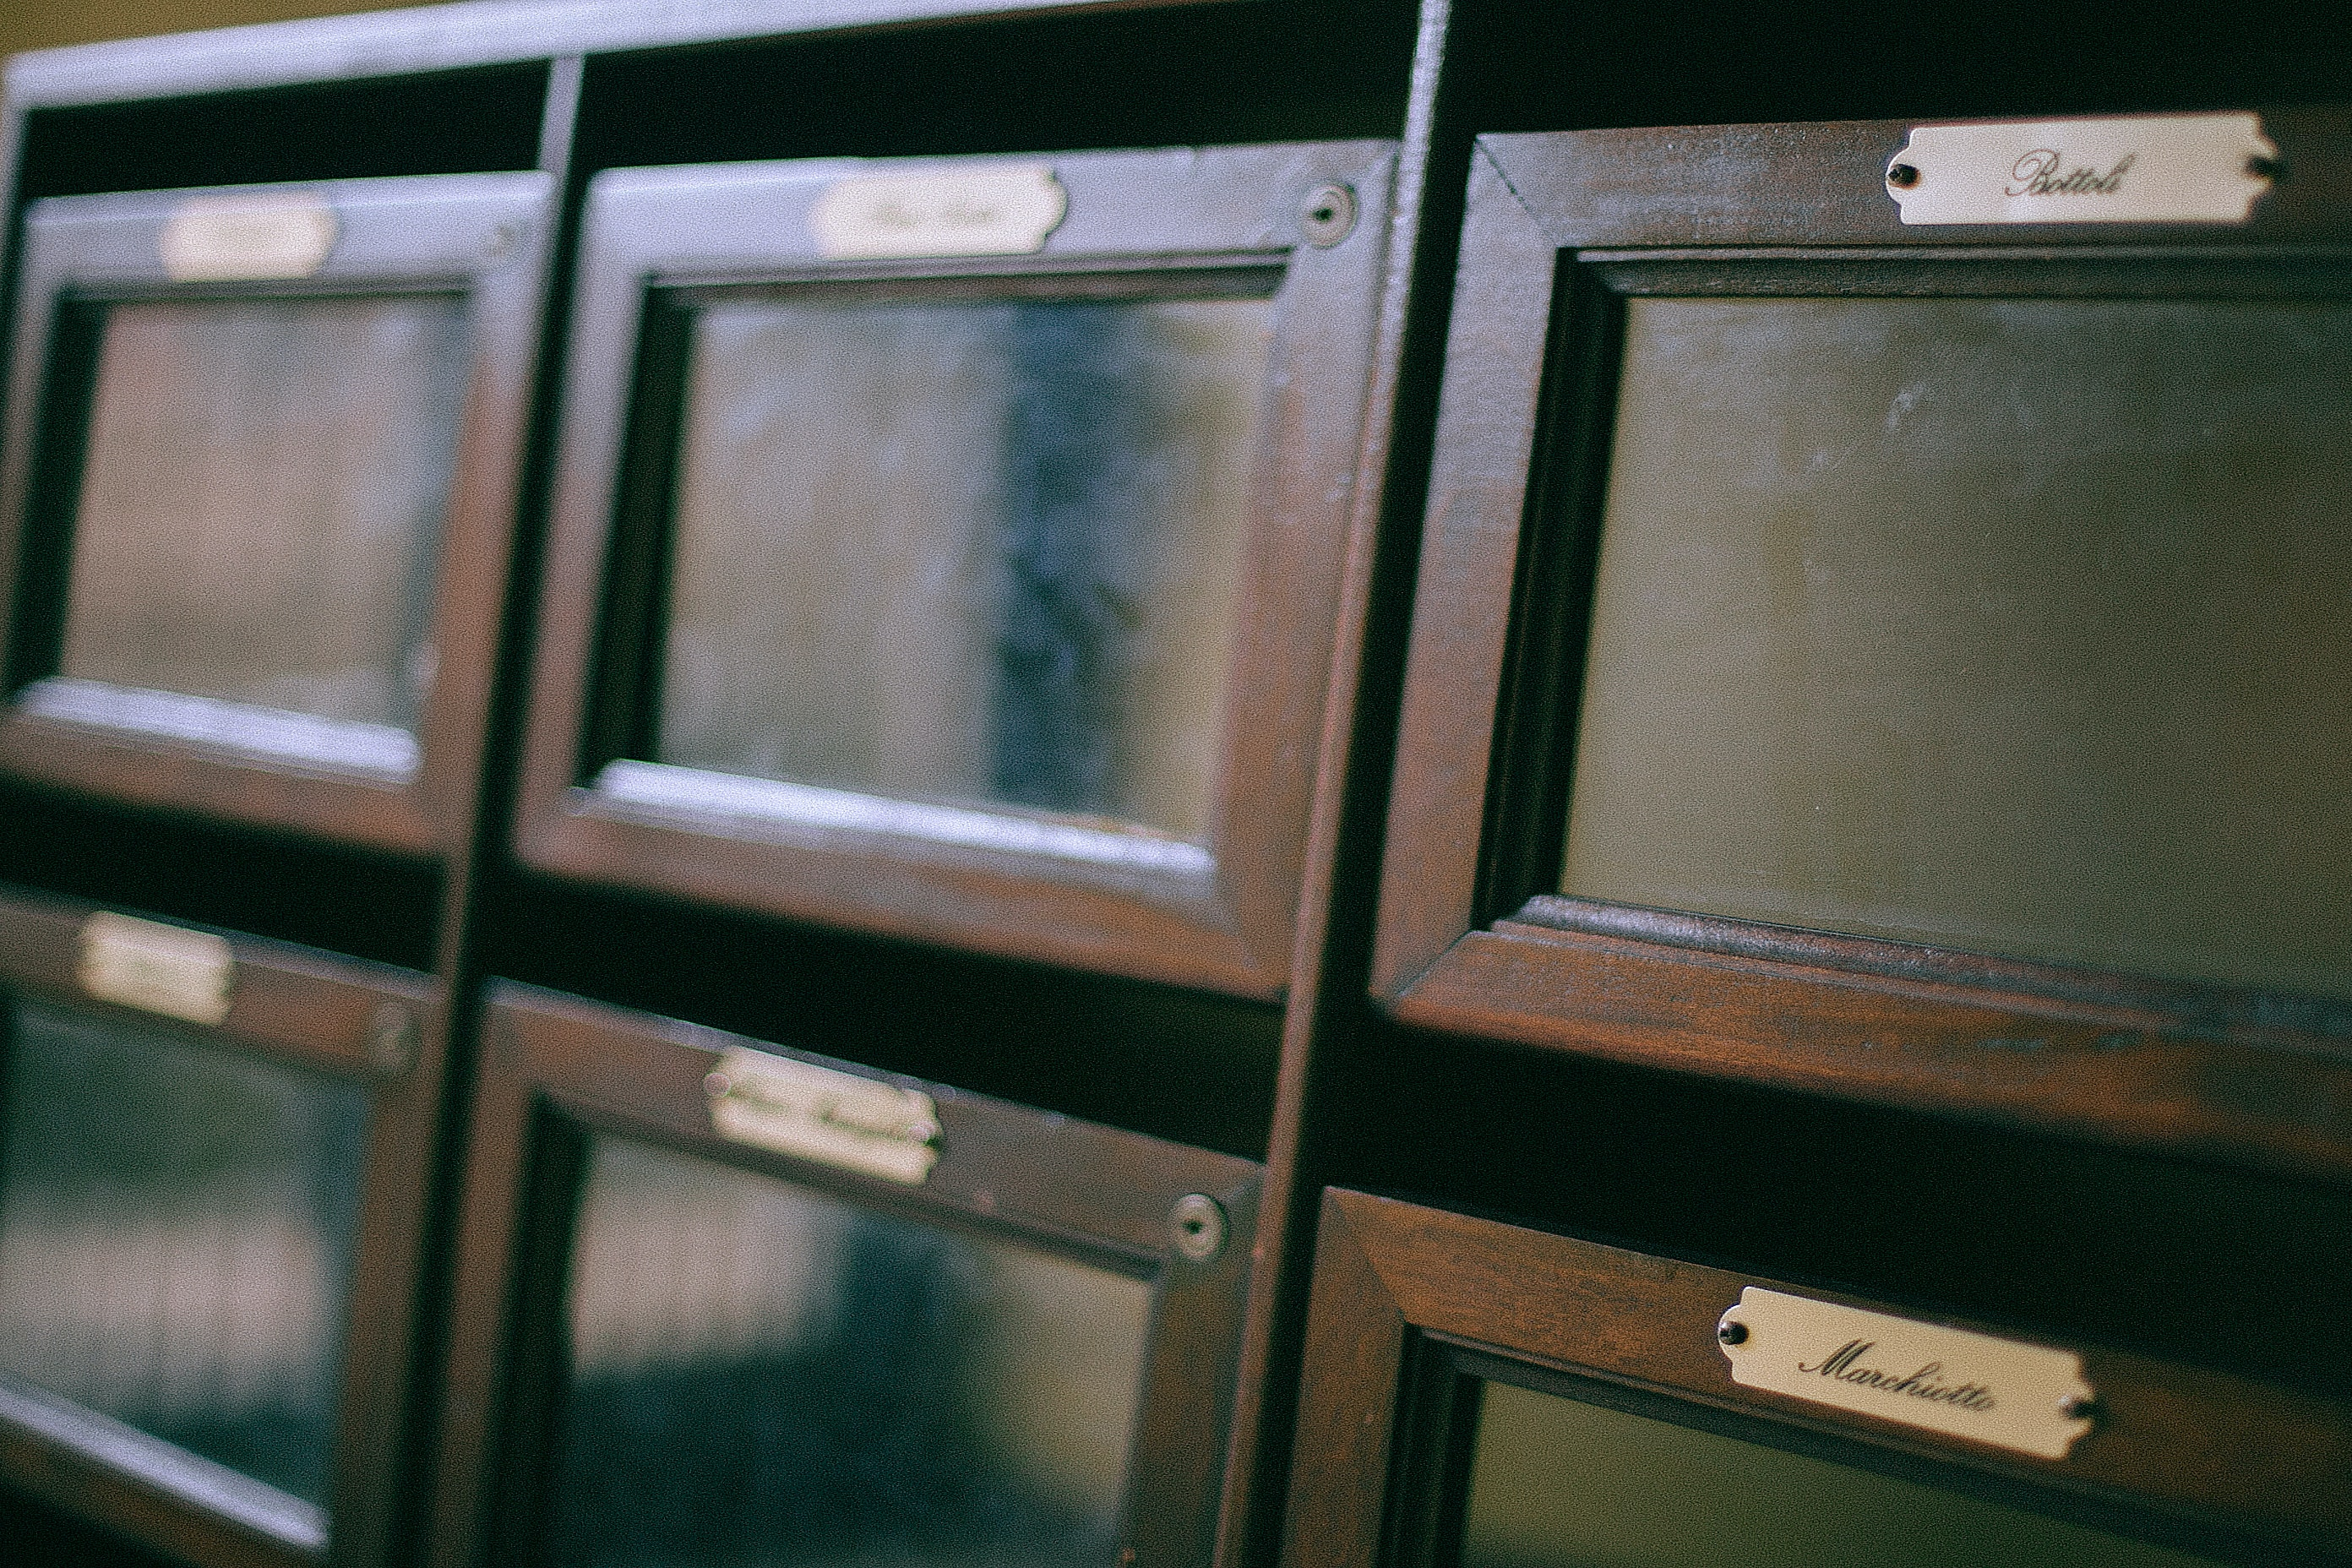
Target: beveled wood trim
{"x":2138,"y":1075}
{"x":550,"y":1062}
{"x":382,"y":1027}
{"x":1470,"y":550}
{"x":2196,"y":1445}
{"x":483,"y":235}
{"x":2238,"y":1074}
{"x":1221,"y":916}
{"x":72,"y":1479}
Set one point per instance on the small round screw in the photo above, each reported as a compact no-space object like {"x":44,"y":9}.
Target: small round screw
{"x":392,"y":1039}
{"x":2080,"y":1407}
{"x":1902,"y":176}
{"x":717,"y":1084}
{"x":1730,"y":1333}
{"x":1196,"y":1228}
{"x":1327,"y":214}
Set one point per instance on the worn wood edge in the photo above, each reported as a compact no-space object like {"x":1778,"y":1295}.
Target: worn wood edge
{"x":1250,"y":1519}
{"x":2110,"y":1076}
{"x":455,"y":36}
{"x":1348,"y":1381}
{"x":1472,"y":1280}
{"x":1485,"y":442}
{"x":487,"y":1210}
{"x":2206,"y":1010}
{"x":139,"y":770}
{"x":154,"y":1514}
{"x":1184,"y":1414}
{"x":908,"y":890}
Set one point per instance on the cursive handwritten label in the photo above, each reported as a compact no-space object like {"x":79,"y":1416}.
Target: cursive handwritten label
{"x":1005,"y":209}
{"x":2149,"y":168}
{"x":1924,"y":1384}
{"x":2037,"y":174}
{"x":1955,"y":1382}
{"x":817,"y":1113}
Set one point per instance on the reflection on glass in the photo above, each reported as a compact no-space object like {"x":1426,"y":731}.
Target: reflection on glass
{"x":176,"y":1230}
{"x":2016,"y":625}
{"x":1556,"y":1483}
{"x":760,"y":1374}
{"x":967,"y":552}
{"x":261,"y":505}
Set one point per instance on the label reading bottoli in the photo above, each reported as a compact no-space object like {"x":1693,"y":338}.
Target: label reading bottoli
{"x":2031,"y":1399}
{"x":2150,"y":168}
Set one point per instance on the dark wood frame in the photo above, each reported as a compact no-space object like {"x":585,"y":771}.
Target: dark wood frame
{"x":483,"y":236}
{"x":1410,"y":1302}
{"x":1219,"y":915}
{"x":380,"y":1028}
{"x":553,"y":1068}
{"x":1473,"y":935}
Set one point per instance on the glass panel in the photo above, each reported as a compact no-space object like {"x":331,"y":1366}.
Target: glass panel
{"x":763,"y":1374}
{"x":176,"y":1232}
{"x":261,"y":506}
{"x":976,"y":552}
{"x":1556,"y":1483}
{"x":2016,"y":625}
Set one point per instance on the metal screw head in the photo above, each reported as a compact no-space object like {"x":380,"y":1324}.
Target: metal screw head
{"x":1196,"y":1228}
{"x":2080,"y":1407}
{"x":1902,"y":176}
{"x":1731,"y":1332}
{"x":1328,"y":216}
{"x":392,"y":1039}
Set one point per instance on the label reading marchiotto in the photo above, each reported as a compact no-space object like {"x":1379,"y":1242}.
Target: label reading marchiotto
{"x":2032,"y":1399}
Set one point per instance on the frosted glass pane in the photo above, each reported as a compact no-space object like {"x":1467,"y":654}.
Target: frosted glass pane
{"x":1555,"y":1483}
{"x":176,"y":1230}
{"x":763,"y":1374}
{"x":262,"y":501}
{"x":2022,"y":625}
{"x":965,"y":552}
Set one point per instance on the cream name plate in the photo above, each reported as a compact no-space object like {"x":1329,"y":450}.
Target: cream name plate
{"x":156,"y":968}
{"x":248,"y":238}
{"x":816,"y":1113}
{"x":2153,"y":168}
{"x":1007,"y":209}
{"x":2030,"y":1399}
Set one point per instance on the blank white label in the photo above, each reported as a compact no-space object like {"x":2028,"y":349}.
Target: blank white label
{"x":248,"y":236}
{"x":156,"y":968}
{"x":1005,"y":210}
{"x":2151,"y":168}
